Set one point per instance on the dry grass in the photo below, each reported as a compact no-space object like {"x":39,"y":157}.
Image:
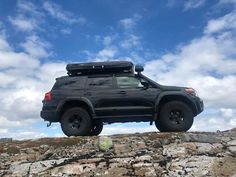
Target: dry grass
{"x":15,"y":146}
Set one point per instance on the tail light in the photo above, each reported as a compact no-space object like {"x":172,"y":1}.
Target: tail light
{"x":48,"y":96}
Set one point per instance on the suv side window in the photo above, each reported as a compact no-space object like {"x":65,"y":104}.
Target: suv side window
{"x":128,"y":82}
{"x":69,"y":83}
{"x":99,"y":82}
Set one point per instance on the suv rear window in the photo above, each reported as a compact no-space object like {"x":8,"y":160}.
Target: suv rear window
{"x":69,"y":83}
{"x":99,"y":82}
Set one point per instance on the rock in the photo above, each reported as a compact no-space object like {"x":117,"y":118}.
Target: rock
{"x":191,"y":166}
{"x":4,"y":155}
{"x":105,"y":143}
{"x":121,"y":148}
{"x":145,"y":171}
{"x":204,"y":148}
{"x":232,"y":143}
{"x":174,"y":150}
{"x":72,"y":169}
{"x":146,"y":154}
{"x":204,"y":138}
{"x":232,"y":149}
{"x":19,"y":169}
{"x":190,"y":147}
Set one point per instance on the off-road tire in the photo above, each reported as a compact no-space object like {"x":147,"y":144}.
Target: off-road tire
{"x":96,"y":129}
{"x":170,"y":120}
{"x":76,"y":122}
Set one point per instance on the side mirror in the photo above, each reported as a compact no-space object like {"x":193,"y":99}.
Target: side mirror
{"x":145,"y":84}
{"x":139,"y":68}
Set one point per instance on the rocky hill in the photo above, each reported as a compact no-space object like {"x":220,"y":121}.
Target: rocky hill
{"x":146,"y":154}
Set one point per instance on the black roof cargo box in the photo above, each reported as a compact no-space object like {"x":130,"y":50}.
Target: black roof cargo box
{"x":100,"y":68}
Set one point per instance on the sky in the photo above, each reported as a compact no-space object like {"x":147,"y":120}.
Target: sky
{"x":179,"y":42}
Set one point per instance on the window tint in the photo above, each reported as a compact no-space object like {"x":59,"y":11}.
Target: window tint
{"x":100,"y":82}
{"x":128,"y":82}
{"x":69,"y":83}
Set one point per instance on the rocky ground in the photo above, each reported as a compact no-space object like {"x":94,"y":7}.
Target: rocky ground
{"x":146,"y":154}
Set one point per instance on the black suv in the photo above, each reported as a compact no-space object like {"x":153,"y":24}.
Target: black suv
{"x":100,"y":93}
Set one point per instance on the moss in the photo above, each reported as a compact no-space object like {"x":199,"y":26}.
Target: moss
{"x":63,"y":142}
{"x":12,"y":150}
{"x":1,"y":149}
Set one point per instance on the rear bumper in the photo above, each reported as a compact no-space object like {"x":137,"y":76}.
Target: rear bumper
{"x":49,"y":115}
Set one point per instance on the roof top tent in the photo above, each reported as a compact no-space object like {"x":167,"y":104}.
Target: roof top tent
{"x":100,"y":68}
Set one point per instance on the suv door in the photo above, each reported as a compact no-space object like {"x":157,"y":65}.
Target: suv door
{"x":100,"y":91}
{"x":133,"y":98}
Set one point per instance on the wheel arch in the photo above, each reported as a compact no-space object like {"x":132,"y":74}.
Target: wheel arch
{"x":75,"y":102}
{"x":167,"y":97}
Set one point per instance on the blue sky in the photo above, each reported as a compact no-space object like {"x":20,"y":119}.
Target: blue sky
{"x":189,"y":43}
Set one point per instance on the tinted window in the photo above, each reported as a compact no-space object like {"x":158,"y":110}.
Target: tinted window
{"x":128,"y":82}
{"x":100,"y":82}
{"x":69,"y":83}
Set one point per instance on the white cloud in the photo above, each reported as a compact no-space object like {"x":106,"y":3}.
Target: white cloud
{"x":36,"y":47}
{"x":124,"y":128}
{"x":66,"y":31}
{"x":224,"y":2}
{"x":218,"y":120}
{"x":20,"y":60}
{"x":107,"y":40}
{"x":20,"y":135}
{"x":3,"y":131}
{"x":132,"y":41}
{"x":227,"y":22}
{"x":24,"y":80}
{"x":130,"y":23}
{"x":58,"y":13}
{"x":28,"y":17}
{"x":207,"y":64}
{"x":5,"y":122}
{"x":4,"y":46}
{"x":27,"y":6}
{"x":107,"y":53}
{"x":23,"y":23}
{"x":228,"y":113}
{"x":193,"y":4}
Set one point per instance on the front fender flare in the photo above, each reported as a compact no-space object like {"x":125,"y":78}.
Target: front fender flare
{"x":171,"y":94}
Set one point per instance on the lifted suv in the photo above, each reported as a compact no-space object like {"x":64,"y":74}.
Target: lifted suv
{"x":100,"y":93}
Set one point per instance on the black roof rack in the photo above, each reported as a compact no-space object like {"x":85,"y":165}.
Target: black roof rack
{"x":100,"y":68}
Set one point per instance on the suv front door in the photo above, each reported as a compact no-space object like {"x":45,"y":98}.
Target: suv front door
{"x":132,"y":98}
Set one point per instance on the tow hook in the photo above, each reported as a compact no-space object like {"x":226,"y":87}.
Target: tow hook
{"x":49,"y":124}
{"x":151,"y":122}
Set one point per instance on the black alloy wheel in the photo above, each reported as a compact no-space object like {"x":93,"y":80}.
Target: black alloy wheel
{"x":175,"y":116}
{"x":76,"y":122}
{"x":96,"y":129}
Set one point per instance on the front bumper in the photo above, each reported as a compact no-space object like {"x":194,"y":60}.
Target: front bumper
{"x":199,"y":105}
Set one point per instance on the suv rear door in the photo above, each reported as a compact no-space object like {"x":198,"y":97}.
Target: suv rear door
{"x":100,"y":90}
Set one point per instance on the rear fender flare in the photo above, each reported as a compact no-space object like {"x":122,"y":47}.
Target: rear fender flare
{"x":80,"y":99}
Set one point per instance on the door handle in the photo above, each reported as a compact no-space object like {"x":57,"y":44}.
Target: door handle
{"x":122,"y":92}
{"x":88,"y":94}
